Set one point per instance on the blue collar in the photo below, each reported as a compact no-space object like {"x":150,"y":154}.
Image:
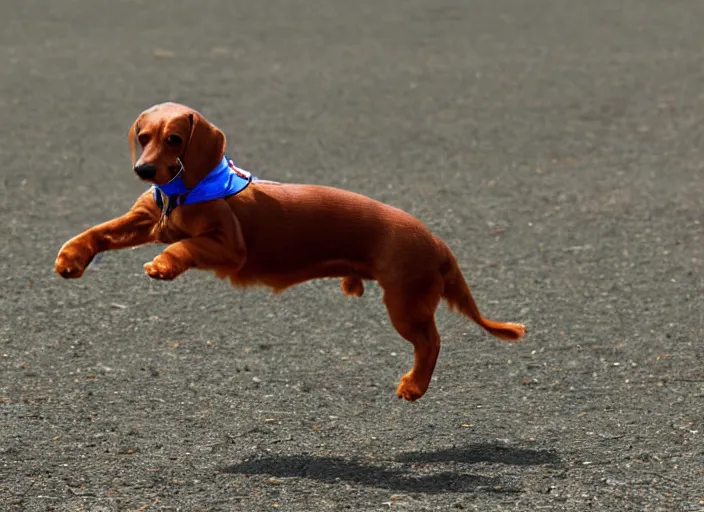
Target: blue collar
{"x":223,"y":181}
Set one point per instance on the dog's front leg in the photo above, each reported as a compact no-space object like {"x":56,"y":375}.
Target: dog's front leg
{"x":215,"y":242}
{"x":131,"y":229}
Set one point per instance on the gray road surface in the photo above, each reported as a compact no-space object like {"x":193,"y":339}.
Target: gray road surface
{"x":556,"y":145}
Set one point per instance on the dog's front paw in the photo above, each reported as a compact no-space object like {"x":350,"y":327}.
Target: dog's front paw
{"x":73,"y":260}
{"x":162,"y":267}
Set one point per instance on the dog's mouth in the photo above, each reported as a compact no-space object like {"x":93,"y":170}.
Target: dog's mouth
{"x":175,"y":171}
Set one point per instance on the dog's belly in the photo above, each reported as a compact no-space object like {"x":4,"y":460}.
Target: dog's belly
{"x":279,"y":281}
{"x":302,"y":264}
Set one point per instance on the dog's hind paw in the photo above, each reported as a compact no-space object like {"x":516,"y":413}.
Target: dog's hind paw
{"x":352,"y":286}
{"x":408,"y":389}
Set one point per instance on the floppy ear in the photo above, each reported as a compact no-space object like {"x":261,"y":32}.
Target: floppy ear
{"x":132,"y":139}
{"x":205,"y":148}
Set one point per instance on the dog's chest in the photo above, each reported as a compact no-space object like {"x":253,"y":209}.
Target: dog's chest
{"x":169,"y":228}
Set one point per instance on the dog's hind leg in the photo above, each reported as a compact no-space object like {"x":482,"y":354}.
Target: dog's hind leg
{"x":412,"y":314}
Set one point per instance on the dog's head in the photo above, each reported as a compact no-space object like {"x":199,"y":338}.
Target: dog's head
{"x":174,"y":139}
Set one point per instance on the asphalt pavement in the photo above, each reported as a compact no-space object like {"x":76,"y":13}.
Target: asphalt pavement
{"x":556,"y":145}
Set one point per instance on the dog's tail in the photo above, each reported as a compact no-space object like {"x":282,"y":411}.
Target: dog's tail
{"x":459,"y":298}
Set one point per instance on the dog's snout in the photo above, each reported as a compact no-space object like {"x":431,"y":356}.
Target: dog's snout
{"x":145,"y":171}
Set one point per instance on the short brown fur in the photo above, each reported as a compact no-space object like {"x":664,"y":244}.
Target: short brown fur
{"x":280,"y":235}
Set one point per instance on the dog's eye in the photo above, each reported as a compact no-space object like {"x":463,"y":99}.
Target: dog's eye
{"x":174,"y":140}
{"x":143,"y":139}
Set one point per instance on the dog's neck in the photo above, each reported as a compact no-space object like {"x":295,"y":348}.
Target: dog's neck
{"x":223,"y":181}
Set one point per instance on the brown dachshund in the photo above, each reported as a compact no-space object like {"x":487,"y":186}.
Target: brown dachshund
{"x":278,"y":235}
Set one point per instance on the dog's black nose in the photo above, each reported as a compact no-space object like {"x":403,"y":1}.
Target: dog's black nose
{"x":146,"y":171}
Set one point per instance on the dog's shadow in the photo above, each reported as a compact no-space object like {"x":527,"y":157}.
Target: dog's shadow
{"x":408,"y":477}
